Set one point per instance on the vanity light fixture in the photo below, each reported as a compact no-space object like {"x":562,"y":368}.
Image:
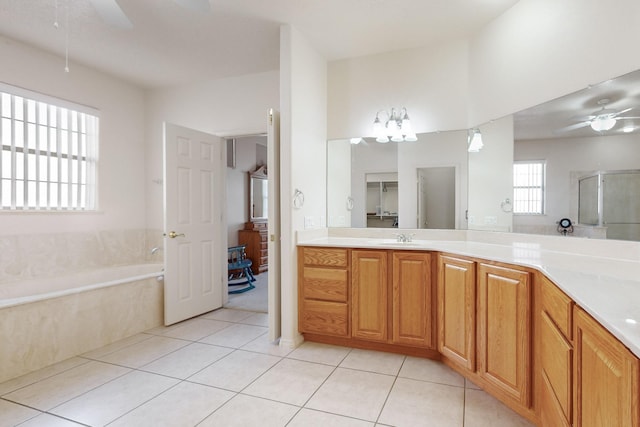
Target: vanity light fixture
{"x":475,"y":141}
{"x":397,"y":127}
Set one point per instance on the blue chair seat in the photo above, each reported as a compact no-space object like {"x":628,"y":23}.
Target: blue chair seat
{"x":239,"y":269}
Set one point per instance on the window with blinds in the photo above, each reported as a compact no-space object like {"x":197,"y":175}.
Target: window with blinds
{"x":48,"y":154}
{"x":528,"y":187}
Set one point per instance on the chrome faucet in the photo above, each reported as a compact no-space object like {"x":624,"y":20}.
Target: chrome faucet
{"x":404,"y":238}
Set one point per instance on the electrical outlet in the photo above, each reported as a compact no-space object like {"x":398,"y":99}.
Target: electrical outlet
{"x":491,"y":220}
{"x":308,"y":222}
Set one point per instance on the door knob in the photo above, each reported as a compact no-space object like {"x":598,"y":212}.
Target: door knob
{"x":173,"y":234}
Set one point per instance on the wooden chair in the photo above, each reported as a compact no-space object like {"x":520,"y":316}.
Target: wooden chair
{"x":239,"y":269}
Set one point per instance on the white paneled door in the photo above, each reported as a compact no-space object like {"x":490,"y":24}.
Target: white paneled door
{"x":194,"y":183}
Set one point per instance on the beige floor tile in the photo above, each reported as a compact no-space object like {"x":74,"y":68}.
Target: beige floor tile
{"x":228,"y":315}
{"x":114,"y":399}
{"x":196,"y":329}
{"x":483,"y":410}
{"x":258,"y":319}
{"x":12,"y":414}
{"x":236,"y":370}
{"x":118,"y":345}
{"x":290,"y":381}
{"x":67,"y":385}
{"x":40,"y":374}
{"x":46,"y":420}
{"x":187,"y":360}
{"x":413,"y":403}
{"x":320,"y":353}
{"x":263,"y":345}
{"x":142,"y":353}
{"x":417,"y":368}
{"x":356,"y":394}
{"x":470,"y":384}
{"x":235,"y":336}
{"x":186,"y":404}
{"x":311,"y":418}
{"x":373,"y":361}
{"x":243,"y":411}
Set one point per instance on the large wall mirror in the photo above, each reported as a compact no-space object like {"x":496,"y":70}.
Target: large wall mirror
{"x":420,"y":184}
{"x":588,"y":139}
{"x":587,"y":146}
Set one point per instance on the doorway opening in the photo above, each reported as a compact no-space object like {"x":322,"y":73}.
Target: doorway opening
{"x":247,"y":154}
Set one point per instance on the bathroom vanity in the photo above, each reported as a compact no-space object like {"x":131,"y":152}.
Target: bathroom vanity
{"x":493,"y":313}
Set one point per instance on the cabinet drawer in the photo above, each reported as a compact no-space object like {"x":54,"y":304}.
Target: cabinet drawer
{"x":557,"y":305}
{"x":325,"y":284}
{"x":328,"y":318}
{"x":327,"y":257}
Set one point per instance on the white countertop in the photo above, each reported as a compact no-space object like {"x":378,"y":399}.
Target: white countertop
{"x":606,"y":286}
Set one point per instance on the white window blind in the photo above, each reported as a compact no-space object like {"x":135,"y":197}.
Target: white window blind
{"x":528,"y":187}
{"x":48,"y":152}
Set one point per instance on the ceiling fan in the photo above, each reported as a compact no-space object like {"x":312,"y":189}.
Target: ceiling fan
{"x":112,"y":14}
{"x":603,"y":120}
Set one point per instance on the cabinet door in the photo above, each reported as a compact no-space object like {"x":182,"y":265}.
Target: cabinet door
{"x":457,"y":310}
{"x":369,"y":292}
{"x":606,"y":379}
{"x":555,"y":351}
{"x":504,"y":331}
{"x":412,"y":312}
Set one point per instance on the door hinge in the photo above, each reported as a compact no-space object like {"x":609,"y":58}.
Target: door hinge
{"x":271,"y":116}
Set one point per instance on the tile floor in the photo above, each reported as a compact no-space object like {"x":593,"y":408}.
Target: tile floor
{"x":220,"y":370}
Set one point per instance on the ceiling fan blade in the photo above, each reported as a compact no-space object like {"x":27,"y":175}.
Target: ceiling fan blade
{"x":627,"y":118}
{"x":622,"y":112}
{"x":111,"y":14}
{"x":195,"y":5}
{"x":572,"y":127}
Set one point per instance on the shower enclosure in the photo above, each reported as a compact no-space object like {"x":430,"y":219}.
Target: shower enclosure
{"x":611,"y":199}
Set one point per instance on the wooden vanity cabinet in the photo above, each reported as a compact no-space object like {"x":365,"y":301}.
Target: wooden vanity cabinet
{"x":456,"y":297}
{"x":606,"y":379}
{"x":323,"y":293}
{"x":413,"y":314}
{"x":370,"y":293}
{"x":504,"y":331}
{"x":555,"y":354}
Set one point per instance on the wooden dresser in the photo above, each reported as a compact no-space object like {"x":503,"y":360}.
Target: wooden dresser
{"x":254,"y":236}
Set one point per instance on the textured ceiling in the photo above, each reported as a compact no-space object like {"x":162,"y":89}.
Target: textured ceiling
{"x":170,"y":44}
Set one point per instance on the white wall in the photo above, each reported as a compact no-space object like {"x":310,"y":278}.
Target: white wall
{"x":430,"y":82}
{"x":542,"y":49}
{"x":121,"y":170}
{"x":303,"y":136}
{"x":563,"y":156}
{"x":232,"y":106}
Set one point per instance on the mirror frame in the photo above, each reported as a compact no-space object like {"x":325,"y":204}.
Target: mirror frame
{"x":259,"y":174}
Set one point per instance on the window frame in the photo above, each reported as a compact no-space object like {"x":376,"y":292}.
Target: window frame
{"x":52,"y":153}
{"x":542,"y":188}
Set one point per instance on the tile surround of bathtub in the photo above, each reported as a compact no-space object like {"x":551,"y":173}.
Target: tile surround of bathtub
{"x":37,"y":255}
{"x":49,"y":331}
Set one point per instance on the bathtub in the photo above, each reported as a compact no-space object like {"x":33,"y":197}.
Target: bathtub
{"x":47,"y":320}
